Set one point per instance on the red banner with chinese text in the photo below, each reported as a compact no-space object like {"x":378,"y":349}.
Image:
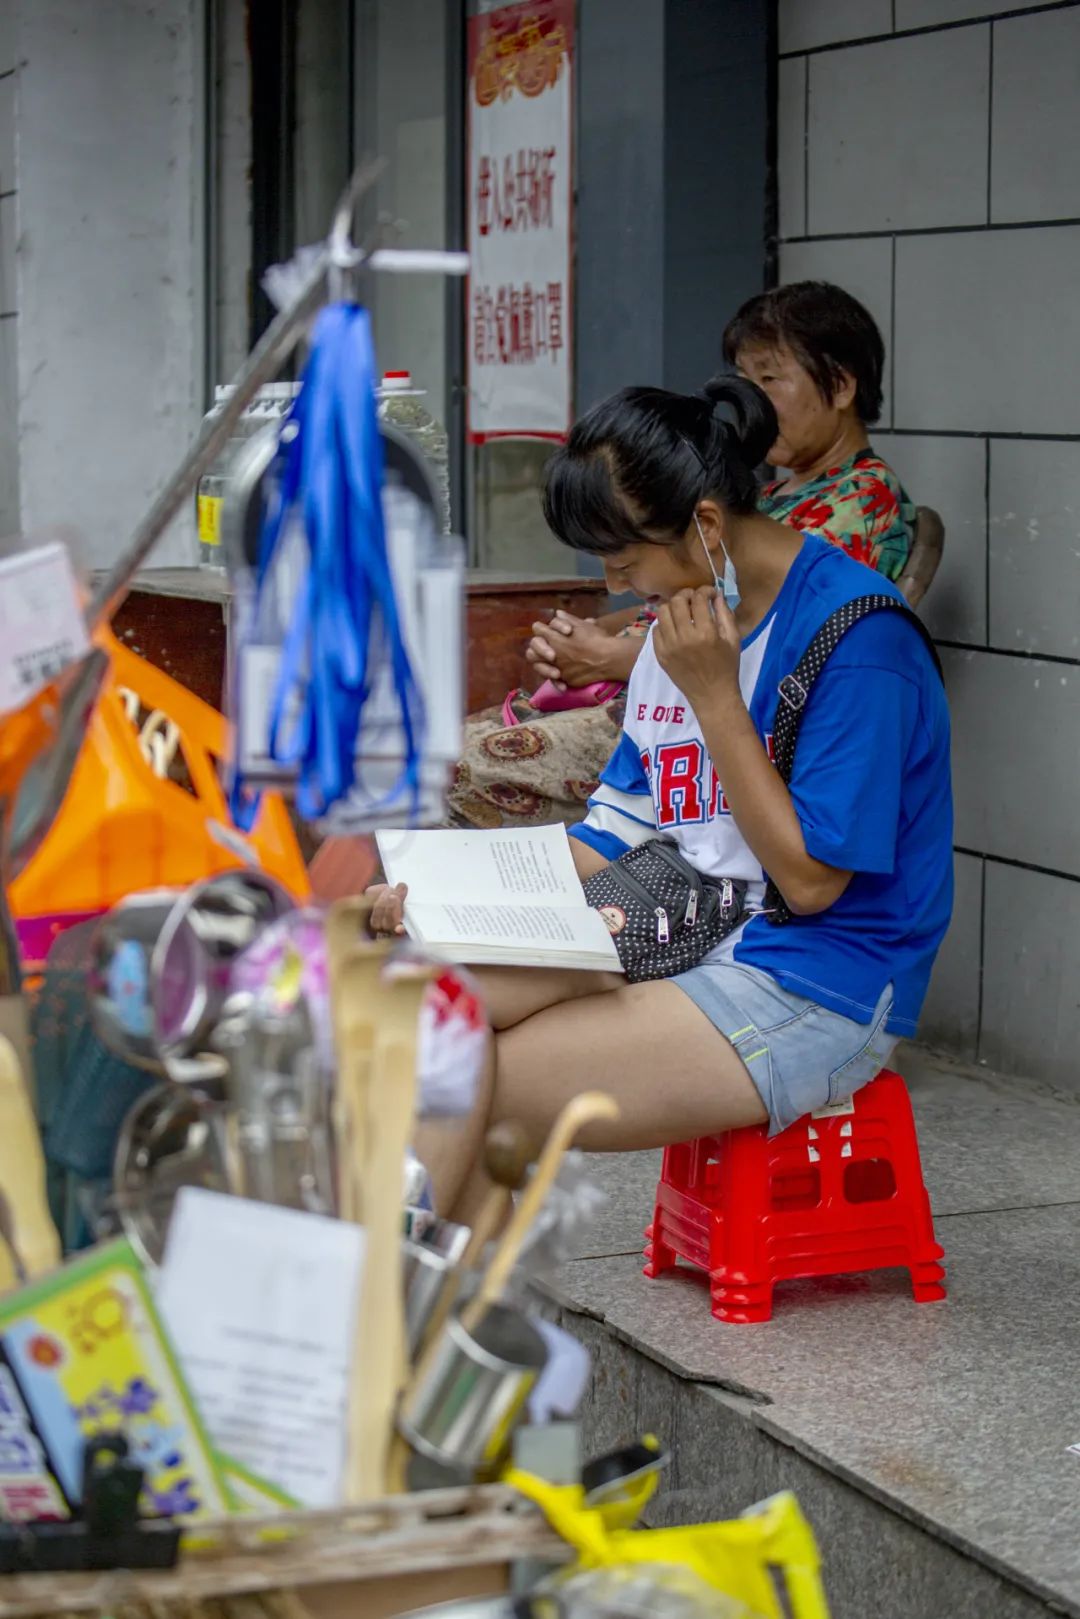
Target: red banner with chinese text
{"x":520,"y":177}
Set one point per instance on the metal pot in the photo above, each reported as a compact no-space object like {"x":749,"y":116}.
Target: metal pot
{"x":159,"y":974}
{"x":172,"y":1137}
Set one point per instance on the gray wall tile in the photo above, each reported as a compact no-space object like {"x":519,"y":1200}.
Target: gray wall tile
{"x":951,"y":1013}
{"x":1035,"y":174}
{"x":1016,"y":763}
{"x":927,"y":156}
{"x":863,"y":267}
{"x":715,"y":99}
{"x":1031,"y":995}
{"x":9,"y":432}
{"x":791,"y":154}
{"x":7,"y":133}
{"x":8,"y":226}
{"x":1035,"y":546}
{"x":924,"y":13}
{"x":620,"y":162}
{"x":806,"y":23}
{"x":986,"y":323}
{"x":949,"y":474}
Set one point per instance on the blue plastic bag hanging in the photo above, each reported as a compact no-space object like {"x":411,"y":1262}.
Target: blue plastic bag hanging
{"x":321,"y":620}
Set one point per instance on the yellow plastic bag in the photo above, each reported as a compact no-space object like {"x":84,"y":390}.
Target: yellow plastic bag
{"x":767,"y":1559}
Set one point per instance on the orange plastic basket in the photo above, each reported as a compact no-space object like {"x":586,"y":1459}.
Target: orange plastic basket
{"x":122,"y":827}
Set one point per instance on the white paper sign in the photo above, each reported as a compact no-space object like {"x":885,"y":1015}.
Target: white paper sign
{"x":520,"y":117}
{"x":260,"y":1303}
{"x":41,"y":625}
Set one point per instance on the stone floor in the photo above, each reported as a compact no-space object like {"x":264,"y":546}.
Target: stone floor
{"x":958,"y":1415}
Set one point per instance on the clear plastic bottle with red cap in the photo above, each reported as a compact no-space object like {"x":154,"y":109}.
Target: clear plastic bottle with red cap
{"x":402,"y":403}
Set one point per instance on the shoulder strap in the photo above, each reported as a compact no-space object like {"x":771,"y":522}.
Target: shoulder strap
{"x":795,"y":689}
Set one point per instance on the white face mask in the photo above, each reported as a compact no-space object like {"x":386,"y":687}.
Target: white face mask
{"x":729,"y":585}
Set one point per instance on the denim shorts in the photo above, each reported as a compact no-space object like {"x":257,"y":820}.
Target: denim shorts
{"x":800,"y":1056}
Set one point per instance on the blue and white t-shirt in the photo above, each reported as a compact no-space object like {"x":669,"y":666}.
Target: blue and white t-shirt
{"x":871,"y":786}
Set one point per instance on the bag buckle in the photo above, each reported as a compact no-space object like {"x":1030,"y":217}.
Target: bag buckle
{"x":793,"y":692}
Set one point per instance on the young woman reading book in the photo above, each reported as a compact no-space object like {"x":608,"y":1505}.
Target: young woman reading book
{"x":776,"y":1020}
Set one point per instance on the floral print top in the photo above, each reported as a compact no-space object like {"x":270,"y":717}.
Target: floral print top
{"x":860,"y":506}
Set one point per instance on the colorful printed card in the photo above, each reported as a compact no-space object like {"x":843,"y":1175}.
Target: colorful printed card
{"x":83,"y":1352}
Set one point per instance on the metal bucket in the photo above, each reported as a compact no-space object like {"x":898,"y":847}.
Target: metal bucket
{"x":463,"y":1412}
{"x":429,"y":1261}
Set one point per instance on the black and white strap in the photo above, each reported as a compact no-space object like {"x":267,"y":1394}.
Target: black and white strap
{"x":795,"y":691}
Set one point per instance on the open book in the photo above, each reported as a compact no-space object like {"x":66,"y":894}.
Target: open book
{"x":498,"y":899}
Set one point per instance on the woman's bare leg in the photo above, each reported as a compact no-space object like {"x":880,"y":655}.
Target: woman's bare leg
{"x":450,"y":1149}
{"x":512,"y":994}
{"x":672,"y":1073}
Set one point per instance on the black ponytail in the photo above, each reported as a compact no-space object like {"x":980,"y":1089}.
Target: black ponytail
{"x":635,"y":466}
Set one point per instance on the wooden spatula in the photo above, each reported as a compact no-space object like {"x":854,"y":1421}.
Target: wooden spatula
{"x":353,"y":998}
{"x":380,"y":1363}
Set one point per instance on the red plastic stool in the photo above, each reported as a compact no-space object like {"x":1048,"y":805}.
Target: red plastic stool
{"x":840,"y":1190}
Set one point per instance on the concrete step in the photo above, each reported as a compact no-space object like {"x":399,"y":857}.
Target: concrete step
{"x":928,"y":1443}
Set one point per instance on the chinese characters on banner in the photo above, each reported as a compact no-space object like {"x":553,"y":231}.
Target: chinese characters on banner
{"x":520,"y":101}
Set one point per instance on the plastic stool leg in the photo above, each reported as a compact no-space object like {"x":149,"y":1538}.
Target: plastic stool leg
{"x":658,"y":1256}
{"x":927,"y":1281}
{"x":743,"y":1303}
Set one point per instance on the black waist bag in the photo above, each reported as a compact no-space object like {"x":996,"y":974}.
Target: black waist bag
{"x":662,"y":914}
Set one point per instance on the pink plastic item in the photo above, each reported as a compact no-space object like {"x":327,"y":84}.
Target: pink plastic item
{"x":548,"y":699}
{"x":841,"y":1190}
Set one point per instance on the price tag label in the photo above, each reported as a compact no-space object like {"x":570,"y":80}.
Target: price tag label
{"x":41,"y":623}
{"x":834,"y":1110}
{"x":208,"y":508}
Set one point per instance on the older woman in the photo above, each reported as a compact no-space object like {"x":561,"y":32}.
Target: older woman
{"x":819,"y":356}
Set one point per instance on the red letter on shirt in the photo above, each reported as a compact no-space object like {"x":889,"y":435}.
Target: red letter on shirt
{"x":678,"y":783}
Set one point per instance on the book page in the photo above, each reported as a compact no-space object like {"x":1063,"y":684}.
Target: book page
{"x":525,"y":932}
{"x":513,"y":863}
{"x":261,"y":1305}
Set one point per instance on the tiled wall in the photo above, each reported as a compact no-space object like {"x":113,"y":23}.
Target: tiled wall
{"x":9,"y":437}
{"x":927,"y":157}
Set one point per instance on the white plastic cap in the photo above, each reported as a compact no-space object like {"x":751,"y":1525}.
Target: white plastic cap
{"x":397,"y":382}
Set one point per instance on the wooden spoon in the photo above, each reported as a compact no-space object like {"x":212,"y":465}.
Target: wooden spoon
{"x":584,"y":1109}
